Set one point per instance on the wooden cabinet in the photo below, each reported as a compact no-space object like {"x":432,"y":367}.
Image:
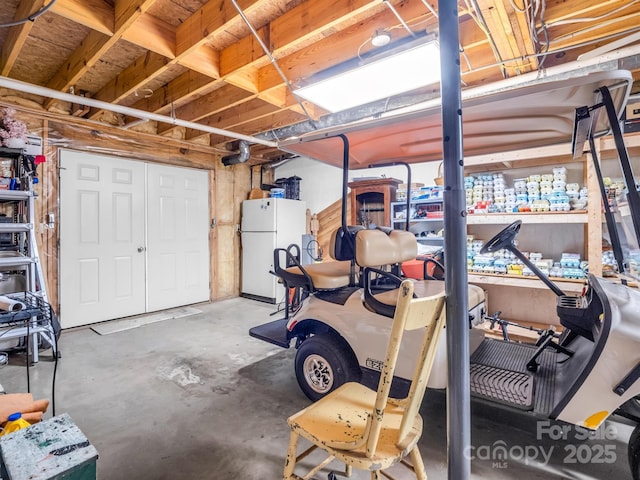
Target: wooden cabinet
{"x":371,"y":201}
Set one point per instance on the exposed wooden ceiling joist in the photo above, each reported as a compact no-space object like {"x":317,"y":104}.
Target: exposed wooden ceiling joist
{"x":197,"y":60}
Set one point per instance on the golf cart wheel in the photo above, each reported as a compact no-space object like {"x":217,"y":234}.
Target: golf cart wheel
{"x":323,"y":363}
{"x":632,"y":408}
{"x":634,"y":453}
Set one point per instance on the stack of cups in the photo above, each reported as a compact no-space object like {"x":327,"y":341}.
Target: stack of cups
{"x":498,"y":192}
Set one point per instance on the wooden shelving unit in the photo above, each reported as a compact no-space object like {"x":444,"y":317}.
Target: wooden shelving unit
{"x":527,"y":299}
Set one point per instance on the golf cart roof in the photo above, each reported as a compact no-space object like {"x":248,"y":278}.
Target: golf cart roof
{"x":523,"y":112}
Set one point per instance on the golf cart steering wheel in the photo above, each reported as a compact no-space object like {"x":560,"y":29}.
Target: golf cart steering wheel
{"x":503,"y":239}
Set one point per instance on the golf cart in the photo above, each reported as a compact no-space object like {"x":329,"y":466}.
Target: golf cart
{"x":341,"y":324}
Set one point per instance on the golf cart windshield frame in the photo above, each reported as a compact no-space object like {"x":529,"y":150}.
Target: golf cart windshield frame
{"x":585,"y":119}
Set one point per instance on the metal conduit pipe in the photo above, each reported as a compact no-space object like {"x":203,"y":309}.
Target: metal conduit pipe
{"x":400,"y":19}
{"x":133,"y":112}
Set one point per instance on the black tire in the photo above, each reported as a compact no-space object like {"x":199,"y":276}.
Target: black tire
{"x":632,"y":407}
{"x":323,"y":363}
{"x":634,"y":453}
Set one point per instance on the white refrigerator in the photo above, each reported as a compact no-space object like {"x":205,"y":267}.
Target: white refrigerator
{"x":267,"y":224}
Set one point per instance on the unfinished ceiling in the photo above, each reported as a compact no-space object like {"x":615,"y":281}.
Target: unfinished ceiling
{"x":199,"y":61}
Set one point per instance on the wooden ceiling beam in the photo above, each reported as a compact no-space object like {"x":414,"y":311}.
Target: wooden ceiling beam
{"x":97,"y":44}
{"x":181,"y":90}
{"x":238,"y":62}
{"x":94,"y":45}
{"x":296,"y":29}
{"x":128,"y":81}
{"x":153,"y":34}
{"x":273,"y":121}
{"x":212,"y":19}
{"x":227,"y":96}
{"x":558,"y":10}
{"x":270,"y":122}
{"x":97,"y":15}
{"x":203,"y":59}
{"x":568,"y":35}
{"x":238,"y":115}
{"x":149,"y":66}
{"x":127,"y":12}
{"x":197,"y":55}
{"x":18,"y":34}
{"x":510,"y":34}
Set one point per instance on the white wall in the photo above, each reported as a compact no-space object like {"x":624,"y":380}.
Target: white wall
{"x":321,"y":184}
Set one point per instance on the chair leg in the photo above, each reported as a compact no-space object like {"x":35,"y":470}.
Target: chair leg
{"x":290,"y":462}
{"x":375,"y":475}
{"x":348,"y":470}
{"x":418,"y":465}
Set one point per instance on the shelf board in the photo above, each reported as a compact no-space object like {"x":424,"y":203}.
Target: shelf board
{"x":566,"y":285}
{"x":15,"y":227}
{"x":14,"y":259}
{"x":14,"y":195}
{"x":417,"y":201}
{"x":414,"y":220}
{"x":578,"y":216}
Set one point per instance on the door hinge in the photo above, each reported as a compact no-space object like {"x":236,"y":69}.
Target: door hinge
{"x":214,"y":222}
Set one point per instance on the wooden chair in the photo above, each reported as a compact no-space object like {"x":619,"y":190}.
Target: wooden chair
{"x":366,"y":429}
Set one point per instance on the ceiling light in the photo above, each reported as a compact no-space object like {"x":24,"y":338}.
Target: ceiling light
{"x":409,"y":67}
{"x":380,"y":38}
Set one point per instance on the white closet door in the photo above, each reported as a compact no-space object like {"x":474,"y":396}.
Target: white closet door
{"x":102,"y":238}
{"x":178,"y":236}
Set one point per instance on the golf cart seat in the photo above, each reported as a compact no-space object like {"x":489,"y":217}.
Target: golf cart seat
{"x":425,"y":288}
{"x":375,"y":248}
{"x":326,"y":275}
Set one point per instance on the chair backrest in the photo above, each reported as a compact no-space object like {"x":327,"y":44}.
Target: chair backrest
{"x":342,"y":243}
{"x":426,"y":313}
{"x":375,"y":248}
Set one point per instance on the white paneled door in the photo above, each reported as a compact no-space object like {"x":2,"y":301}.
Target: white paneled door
{"x":133,"y":237}
{"x":178,"y":236}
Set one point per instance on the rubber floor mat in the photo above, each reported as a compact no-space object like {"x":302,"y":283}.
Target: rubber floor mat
{"x":504,"y":386}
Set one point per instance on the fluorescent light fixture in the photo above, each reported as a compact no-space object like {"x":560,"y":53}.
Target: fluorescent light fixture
{"x":407,"y":69}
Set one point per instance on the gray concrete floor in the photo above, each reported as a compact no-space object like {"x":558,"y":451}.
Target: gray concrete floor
{"x":197,"y":398}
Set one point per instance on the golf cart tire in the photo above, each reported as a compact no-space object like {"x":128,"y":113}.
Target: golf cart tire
{"x":634,"y":453}
{"x":323,"y":363}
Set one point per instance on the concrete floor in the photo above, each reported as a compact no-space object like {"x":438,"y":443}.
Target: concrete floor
{"x":197,"y":398}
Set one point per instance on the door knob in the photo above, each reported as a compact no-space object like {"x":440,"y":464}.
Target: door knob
{"x":141,"y":249}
